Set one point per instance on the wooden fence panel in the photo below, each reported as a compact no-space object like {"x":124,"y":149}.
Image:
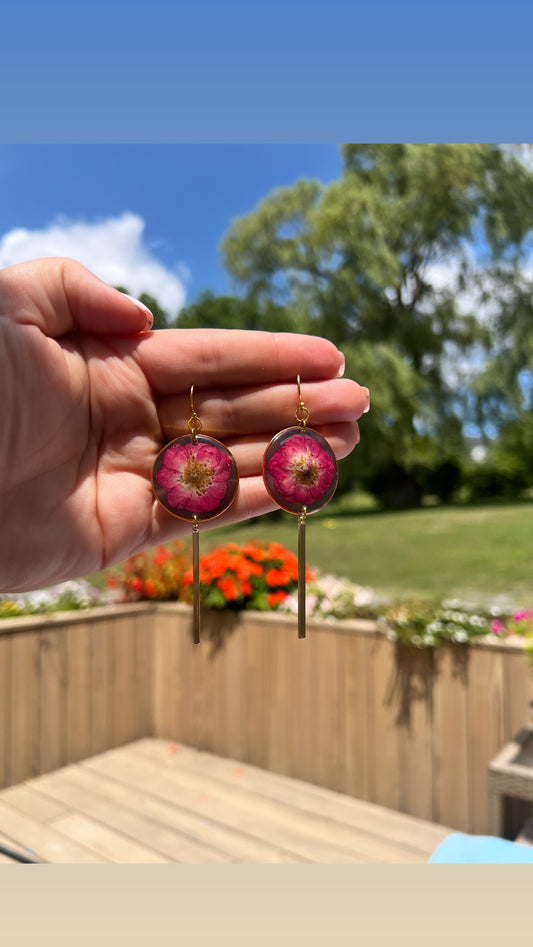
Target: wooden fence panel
{"x":485,"y":728}
{"x":356,"y":779}
{"x":23,"y":713}
{"x":53,"y":709}
{"x":345,"y":708}
{"x":414,"y":706}
{"x":5,"y":710}
{"x":101,"y":685}
{"x":383,"y":731}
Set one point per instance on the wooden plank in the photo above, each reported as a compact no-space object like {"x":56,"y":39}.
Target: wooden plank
{"x":124,"y":679}
{"x":27,"y":800}
{"x":383,"y":729}
{"x":25,"y":705}
{"x":235,"y":689}
{"x":218,"y":728}
{"x":189,"y":700}
{"x":485,"y":729}
{"x":99,"y":800}
{"x":413,"y":702}
{"x":190,"y":812}
{"x":111,"y":846}
{"x":53,"y":710}
{"x":144,"y":676}
{"x":450,"y":739}
{"x":5,"y":710}
{"x":78,"y":691}
{"x":202,"y":683}
{"x":307,"y":834}
{"x":257,"y":685}
{"x":300,"y":702}
{"x":165,"y":704}
{"x":324,"y":662}
{"x":47,"y":843}
{"x":355,"y":780}
{"x":101,"y":685}
{"x":279,"y":699}
{"x":394,"y":826}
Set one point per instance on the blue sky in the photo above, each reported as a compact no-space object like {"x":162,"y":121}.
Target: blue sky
{"x":233,"y":70}
{"x":159,"y":210}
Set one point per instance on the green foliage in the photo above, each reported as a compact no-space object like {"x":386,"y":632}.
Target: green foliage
{"x":161,"y":316}
{"x":363,"y":259}
{"x":230,"y":312}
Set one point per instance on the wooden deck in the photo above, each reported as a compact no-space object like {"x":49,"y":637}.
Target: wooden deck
{"x":151,"y":801}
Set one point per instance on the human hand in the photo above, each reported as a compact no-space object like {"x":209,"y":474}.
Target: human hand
{"x":88,"y":397}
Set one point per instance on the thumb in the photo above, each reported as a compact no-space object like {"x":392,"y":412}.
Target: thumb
{"x":59,"y":296}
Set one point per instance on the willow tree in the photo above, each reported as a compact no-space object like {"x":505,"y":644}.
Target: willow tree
{"x":394,"y":262}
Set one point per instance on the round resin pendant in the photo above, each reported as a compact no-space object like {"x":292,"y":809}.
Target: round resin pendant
{"x":300,"y":470}
{"x":195,"y":477}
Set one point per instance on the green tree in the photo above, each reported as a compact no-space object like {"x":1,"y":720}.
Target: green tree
{"x":161,"y":316}
{"x":380,"y":261}
{"x":230,"y":312}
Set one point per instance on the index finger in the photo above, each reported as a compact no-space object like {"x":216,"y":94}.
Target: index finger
{"x":174,"y":359}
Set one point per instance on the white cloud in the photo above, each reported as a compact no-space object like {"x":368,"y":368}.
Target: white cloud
{"x":114,"y":249}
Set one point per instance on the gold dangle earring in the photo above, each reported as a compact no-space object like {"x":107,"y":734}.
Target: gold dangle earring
{"x":300,"y":474}
{"x":195,"y":478}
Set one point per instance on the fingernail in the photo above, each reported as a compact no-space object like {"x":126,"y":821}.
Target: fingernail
{"x":144,"y":309}
{"x":366,"y":408}
{"x":340,"y":372}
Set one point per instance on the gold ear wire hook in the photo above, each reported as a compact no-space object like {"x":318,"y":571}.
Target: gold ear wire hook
{"x":302,"y":412}
{"x":194,"y":424}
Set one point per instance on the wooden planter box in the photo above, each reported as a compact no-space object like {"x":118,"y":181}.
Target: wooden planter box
{"x":344,"y":708}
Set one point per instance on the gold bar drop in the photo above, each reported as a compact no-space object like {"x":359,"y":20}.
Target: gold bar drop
{"x":301,"y":573}
{"x":196,"y":579}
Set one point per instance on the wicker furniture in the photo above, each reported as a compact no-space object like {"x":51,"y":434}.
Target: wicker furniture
{"x":510,"y":775}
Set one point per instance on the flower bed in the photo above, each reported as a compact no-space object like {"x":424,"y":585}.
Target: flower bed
{"x":263,"y":577}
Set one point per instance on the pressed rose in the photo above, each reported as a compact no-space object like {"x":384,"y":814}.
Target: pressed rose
{"x":301,"y":470}
{"x":195,"y":476}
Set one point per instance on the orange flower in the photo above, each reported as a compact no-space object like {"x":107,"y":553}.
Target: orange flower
{"x":150,"y":588}
{"x":229,"y":588}
{"x":277,"y":577}
{"x":161,"y":556}
{"x":253,"y":551}
{"x":274,"y":598}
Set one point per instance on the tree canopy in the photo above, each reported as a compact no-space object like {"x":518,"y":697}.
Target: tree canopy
{"x":413,"y":263}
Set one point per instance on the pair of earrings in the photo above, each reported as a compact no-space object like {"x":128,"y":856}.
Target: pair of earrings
{"x":195,"y":478}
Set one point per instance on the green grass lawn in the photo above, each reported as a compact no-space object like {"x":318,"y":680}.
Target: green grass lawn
{"x":481,"y":551}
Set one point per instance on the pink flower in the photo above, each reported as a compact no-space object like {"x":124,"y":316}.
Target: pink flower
{"x":195,"y":476}
{"x":497,"y":627}
{"x":302,"y":471}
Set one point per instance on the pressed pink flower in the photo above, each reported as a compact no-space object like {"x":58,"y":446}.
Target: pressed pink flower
{"x":301,"y":470}
{"x":195,"y":476}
